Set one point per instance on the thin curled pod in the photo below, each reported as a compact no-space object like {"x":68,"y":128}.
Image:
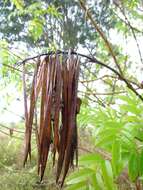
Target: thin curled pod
{"x":42,"y":107}
{"x":36,"y":111}
{"x":57,"y":106}
{"x":64,"y":119}
{"x":29,"y":123}
{"x":24,"y":94}
{"x":25,"y":108}
{"x":43,"y":94}
{"x":39,"y":77}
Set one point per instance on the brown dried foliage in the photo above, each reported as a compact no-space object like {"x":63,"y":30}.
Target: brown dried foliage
{"x":55,"y":82}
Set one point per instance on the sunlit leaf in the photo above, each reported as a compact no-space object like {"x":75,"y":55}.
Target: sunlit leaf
{"x":141,"y":163}
{"x":116,"y":156}
{"x":80,"y":176}
{"x":35,"y":28}
{"x":108,"y":175}
{"x":90,"y":159}
{"x":19,"y":4}
{"x":133,"y":166}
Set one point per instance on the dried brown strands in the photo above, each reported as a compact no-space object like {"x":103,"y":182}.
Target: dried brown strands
{"x":56,"y":83}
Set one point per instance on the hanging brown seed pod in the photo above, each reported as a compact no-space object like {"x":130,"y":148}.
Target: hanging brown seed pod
{"x":56,"y":83}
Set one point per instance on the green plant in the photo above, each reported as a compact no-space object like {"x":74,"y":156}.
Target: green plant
{"x":117,"y":136}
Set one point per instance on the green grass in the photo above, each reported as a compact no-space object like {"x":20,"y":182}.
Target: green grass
{"x":12,"y":174}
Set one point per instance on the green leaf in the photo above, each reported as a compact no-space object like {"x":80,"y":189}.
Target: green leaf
{"x":108,"y":175}
{"x":94,"y":182}
{"x":126,"y":99}
{"x":79,"y":176}
{"x":100,"y":182}
{"x":54,"y":11}
{"x":131,"y":108}
{"x":132,"y":118}
{"x":141,"y":163}
{"x":116,"y":157}
{"x":90,"y":159}
{"x":78,"y":186}
{"x":36,"y":28}
{"x":133,"y":166}
{"x":106,"y":137}
{"x":18,"y":3}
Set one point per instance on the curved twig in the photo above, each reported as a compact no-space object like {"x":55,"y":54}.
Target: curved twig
{"x":99,"y":30}
{"x":91,"y":59}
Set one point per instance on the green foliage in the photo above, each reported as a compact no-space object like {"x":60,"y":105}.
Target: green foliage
{"x":116,"y":157}
{"x":98,"y":174}
{"x":61,"y":20}
{"x":18,"y":3}
{"x":118,"y":144}
{"x":13,"y":175}
{"x":133,"y":166}
{"x":35,"y":28}
{"x":8,"y":150}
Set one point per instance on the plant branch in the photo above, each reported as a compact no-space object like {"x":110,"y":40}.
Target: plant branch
{"x":99,"y":30}
{"x":132,"y":30}
{"x":13,"y":129}
{"x":105,"y":94}
{"x":91,"y":59}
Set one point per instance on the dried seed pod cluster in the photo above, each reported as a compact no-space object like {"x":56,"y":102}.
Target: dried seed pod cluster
{"x":55,"y":83}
